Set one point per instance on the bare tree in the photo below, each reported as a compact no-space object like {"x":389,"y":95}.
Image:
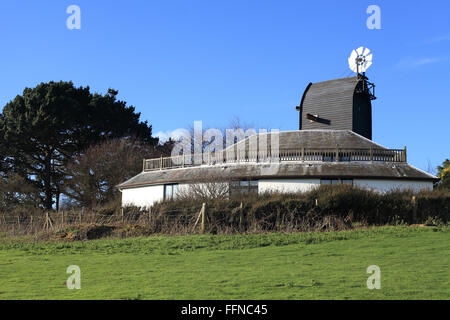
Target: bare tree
{"x":238,"y":123}
{"x":206,"y":186}
{"x":95,"y":173}
{"x":430,"y":168}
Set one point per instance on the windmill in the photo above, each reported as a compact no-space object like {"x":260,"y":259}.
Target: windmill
{"x":342,"y":103}
{"x":359,"y":61}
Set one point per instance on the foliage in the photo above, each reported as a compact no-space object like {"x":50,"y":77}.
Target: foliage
{"x":94,"y":174}
{"x":46,"y":126}
{"x":444,"y":174}
{"x":334,"y":207}
{"x":15,"y":191}
{"x":329,"y":208}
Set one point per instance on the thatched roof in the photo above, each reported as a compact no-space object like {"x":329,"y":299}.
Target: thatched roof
{"x":294,"y":169}
{"x":298,"y":139}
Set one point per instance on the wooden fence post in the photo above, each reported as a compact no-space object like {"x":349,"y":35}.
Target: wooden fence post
{"x":121,"y":212}
{"x":202,"y":228}
{"x":240,"y":216}
{"x":200,"y":215}
{"x":50,"y":223}
{"x":414,"y":205}
{"x":46,"y":221}
{"x":31,"y":223}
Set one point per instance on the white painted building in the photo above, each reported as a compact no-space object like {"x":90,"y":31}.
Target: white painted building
{"x":333,"y":146}
{"x":298,"y":167}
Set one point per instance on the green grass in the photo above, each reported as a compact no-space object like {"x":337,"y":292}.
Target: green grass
{"x":414,"y":264}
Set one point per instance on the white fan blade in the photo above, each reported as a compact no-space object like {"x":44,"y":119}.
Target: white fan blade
{"x":353,"y":67}
{"x":351,"y":61}
{"x":360,"y":59}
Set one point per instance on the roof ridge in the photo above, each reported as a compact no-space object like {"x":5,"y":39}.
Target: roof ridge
{"x":357,"y":134}
{"x":423,"y":171}
{"x":337,"y":79}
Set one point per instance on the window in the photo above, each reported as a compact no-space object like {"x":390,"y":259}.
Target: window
{"x":328,"y":158}
{"x":336,"y":181}
{"x":254,"y":183}
{"x":243,"y":186}
{"x":170,"y":191}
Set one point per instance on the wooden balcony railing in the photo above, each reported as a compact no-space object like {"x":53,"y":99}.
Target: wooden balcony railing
{"x":285,"y":155}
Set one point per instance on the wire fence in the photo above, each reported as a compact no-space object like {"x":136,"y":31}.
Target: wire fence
{"x":172,"y":221}
{"x":329,"y":208}
{"x":180,"y":221}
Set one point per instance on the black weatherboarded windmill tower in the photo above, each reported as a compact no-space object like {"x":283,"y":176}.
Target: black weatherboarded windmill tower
{"x":341,"y":104}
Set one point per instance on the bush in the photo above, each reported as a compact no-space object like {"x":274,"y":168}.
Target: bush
{"x":322,"y":209}
{"x":326,"y":207}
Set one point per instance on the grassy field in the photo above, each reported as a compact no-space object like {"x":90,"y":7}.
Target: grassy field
{"x":414,"y":262}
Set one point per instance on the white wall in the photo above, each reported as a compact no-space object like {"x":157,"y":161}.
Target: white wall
{"x":302,"y":185}
{"x":287,"y":185}
{"x":147,"y":196}
{"x":388,"y":185}
{"x":142,"y":196}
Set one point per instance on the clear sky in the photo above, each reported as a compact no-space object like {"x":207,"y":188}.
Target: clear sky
{"x":212,"y":60}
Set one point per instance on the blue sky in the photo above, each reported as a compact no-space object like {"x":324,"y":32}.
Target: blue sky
{"x":180,"y":61}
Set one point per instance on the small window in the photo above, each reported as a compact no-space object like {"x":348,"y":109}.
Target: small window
{"x":243,"y":186}
{"x":234,"y":184}
{"x":336,"y":181}
{"x":170,"y":191}
{"x":253,"y":183}
{"x":347,"y":181}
